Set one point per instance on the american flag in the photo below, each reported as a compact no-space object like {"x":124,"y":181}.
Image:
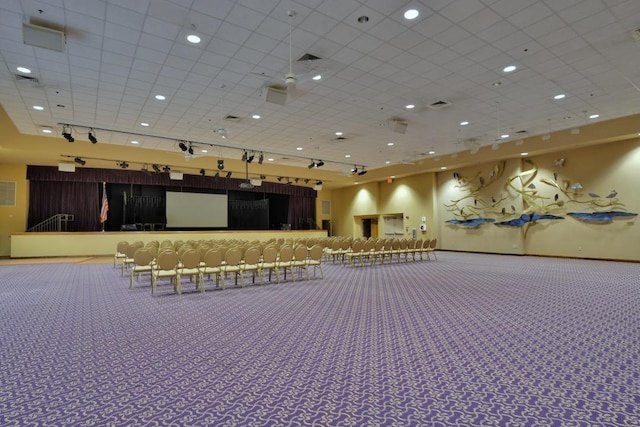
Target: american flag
{"x":105,"y":205}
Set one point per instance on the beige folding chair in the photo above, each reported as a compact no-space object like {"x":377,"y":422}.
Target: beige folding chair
{"x":129,"y":252}
{"x":121,"y":247}
{"x":315,"y":260}
{"x":299,"y":260}
{"x":432,"y":249}
{"x":142,"y":263}
{"x":232,"y":260}
{"x":355,"y":253}
{"x":285,"y":256}
{"x":166,"y":267}
{"x":252,"y":264}
{"x":268,"y":261}
{"x":189,"y":265}
{"x":212,"y":265}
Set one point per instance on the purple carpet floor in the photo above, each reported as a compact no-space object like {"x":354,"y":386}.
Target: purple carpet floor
{"x":468,"y":340}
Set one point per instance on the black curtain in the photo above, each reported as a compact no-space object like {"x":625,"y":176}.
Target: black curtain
{"x":249,"y":214}
{"x":80,"y":199}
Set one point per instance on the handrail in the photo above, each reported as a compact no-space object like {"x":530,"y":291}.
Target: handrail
{"x":55,"y":223}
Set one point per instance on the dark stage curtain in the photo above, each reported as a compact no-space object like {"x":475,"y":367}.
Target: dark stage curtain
{"x":249,"y":214}
{"x":302,"y":213}
{"x":81,"y":199}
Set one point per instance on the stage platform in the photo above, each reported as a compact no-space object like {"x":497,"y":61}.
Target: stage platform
{"x":34,"y":245}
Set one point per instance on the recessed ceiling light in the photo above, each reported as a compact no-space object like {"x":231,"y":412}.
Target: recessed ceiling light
{"x":410,"y":106}
{"x":411,"y":14}
{"x":38,"y":107}
{"x":392,"y":176}
{"x":443,"y":167}
{"x":135,"y":142}
{"x":432,"y":152}
{"x":505,"y":135}
{"x":192,"y":38}
{"x":256,"y":116}
{"x":496,"y":84}
{"x":270,"y":159}
{"x":299,"y":148}
{"x":594,"y":116}
{"x":145,"y":124}
{"x":24,"y":70}
{"x":338,"y":133}
{"x":317,"y":77}
{"x":464,"y":123}
{"x":347,"y":155}
{"x":161,"y":97}
{"x":363,"y":19}
{"x":524,"y":154}
{"x":204,"y":151}
{"x":47,"y":130}
{"x":509,"y":68}
{"x":390,"y":144}
{"x":559,"y":96}
{"x":387,"y":162}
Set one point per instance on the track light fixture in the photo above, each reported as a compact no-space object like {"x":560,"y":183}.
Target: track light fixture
{"x":92,"y":137}
{"x":244,"y":156}
{"x":354,"y":169}
{"x":279,"y":179}
{"x":203,"y":172}
{"x":183,"y":146}
{"x":312,"y":165}
{"x":319,"y":163}
{"x":66,"y":133}
{"x":220,"y":164}
{"x":123,"y":165}
{"x":166,"y":169}
{"x":217,"y":175}
{"x":145,"y":170}
{"x":362,"y":172}
{"x":263,"y":177}
{"x":229,"y":174}
{"x":318,"y":182}
{"x":79,"y":161}
{"x":260,"y":158}
{"x":251,"y":157}
{"x":190,"y":150}
{"x":156,"y":168}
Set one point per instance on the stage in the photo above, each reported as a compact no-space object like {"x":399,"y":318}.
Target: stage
{"x":35,"y":245}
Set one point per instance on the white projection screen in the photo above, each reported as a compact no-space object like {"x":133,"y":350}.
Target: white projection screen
{"x":196,"y":210}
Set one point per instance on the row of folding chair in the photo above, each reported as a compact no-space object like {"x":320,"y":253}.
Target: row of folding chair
{"x":372,"y":251}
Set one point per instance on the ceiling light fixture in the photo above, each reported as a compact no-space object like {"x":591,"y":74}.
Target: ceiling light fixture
{"x":228,"y":174}
{"x":166,"y":169}
{"x":260,"y":158}
{"x":317,"y":77}
{"x":66,"y":133}
{"x":464,"y":123}
{"x":135,"y":142}
{"x":161,"y":97}
{"x":594,"y":116}
{"x":410,"y":106}
{"x":183,"y":146}
{"x":251,"y":157}
{"x":38,"y":107}
{"x":79,"y":161}
{"x":509,"y":68}
{"x":190,"y":150}
{"x":192,"y":38}
{"x":220,"y":164}
{"x":411,"y":14}
{"x":559,"y":96}
{"x":156,"y":168}
{"x":362,"y":171}
{"x":203,"y":172}
{"x":24,"y":70}
{"x":123,"y":165}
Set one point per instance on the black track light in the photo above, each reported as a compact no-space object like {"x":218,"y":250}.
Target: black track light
{"x":244,"y":156}
{"x":183,"y":146}
{"x":217,"y":175}
{"x":79,"y":161}
{"x":312,"y":165}
{"x":203,"y":172}
{"x":92,"y":137}
{"x":355,"y":169}
{"x":362,"y":172}
{"x":220,"y":164}
{"x":190,"y":150}
{"x":156,"y":168}
{"x":145,"y":170}
{"x":229,"y":174}
{"x":318,"y":182}
{"x":260,"y":158}
{"x":166,"y":169}
{"x":251,"y":157}
{"x":319,"y":163}
{"x":123,"y":165}
{"x":306,"y":181}
{"x":279,"y":179}
{"x":66,"y":133}
{"x":263,"y":176}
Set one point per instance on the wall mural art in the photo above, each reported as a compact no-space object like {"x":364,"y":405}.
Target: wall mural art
{"x":476,"y":207}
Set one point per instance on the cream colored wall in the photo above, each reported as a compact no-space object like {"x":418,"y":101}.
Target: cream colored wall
{"x":350,"y":202}
{"x":323,"y":196}
{"x":13,"y":218}
{"x":413,"y":198}
{"x":31,"y":245}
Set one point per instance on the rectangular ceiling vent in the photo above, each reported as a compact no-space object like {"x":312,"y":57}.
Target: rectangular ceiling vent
{"x":438,"y":105}
{"x":308,"y":57}
{"x":230,"y":118}
{"x":43,"y":37}
{"x":26,"y":79}
{"x":521,"y":131}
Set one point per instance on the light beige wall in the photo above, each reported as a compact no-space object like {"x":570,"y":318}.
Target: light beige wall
{"x":323,"y":196}
{"x":13,"y":218}
{"x":351,"y":202}
{"x":31,"y":245}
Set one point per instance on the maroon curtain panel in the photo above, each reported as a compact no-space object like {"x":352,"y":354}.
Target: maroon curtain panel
{"x":80,"y":199}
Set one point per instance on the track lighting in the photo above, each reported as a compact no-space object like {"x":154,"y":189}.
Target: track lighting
{"x":312,"y":165}
{"x":263,"y":177}
{"x":355,"y":169}
{"x":319,"y":163}
{"x":156,"y":168}
{"x":166,"y":169}
{"x":92,"y":137}
{"x":79,"y":161}
{"x":251,"y":157}
{"x":260,"y":158}
{"x":318,"y":182}
{"x":296,"y":180}
{"x":203,"y":172}
{"x":244,"y":156}
{"x":229,"y":174}
{"x":306,"y":181}
{"x":145,"y":170}
{"x":123,"y":165}
{"x":190,"y":150}
{"x":279,"y":179}
{"x":362,"y":172}
{"x":183,"y":146}
{"x":220,"y":164}
{"x":66,"y":133}
{"x":217,"y":175}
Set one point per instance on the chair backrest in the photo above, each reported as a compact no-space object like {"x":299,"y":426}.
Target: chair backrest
{"x":143,"y":256}
{"x":233,"y":256}
{"x":132,"y":248}
{"x":433,"y":243}
{"x":252,"y":256}
{"x":122,"y":247}
{"x":369,"y":245}
{"x":190,"y":258}
{"x":426,"y":243}
{"x":213,"y":258}
{"x":315,"y":253}
{"x":270,"y":254}
{"x":286,"y":253}
{"x":418,"y":244}
{"x":300,"y":252}
{"x":379,"y":245}
{"x":357,"y":246}
{"x":167,"y":260}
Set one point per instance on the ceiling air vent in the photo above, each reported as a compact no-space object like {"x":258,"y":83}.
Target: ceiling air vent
{"x":340,"y":138}
{"x":308,"y":57}
{"x":439,"y":105}
{"x":28,"y":79}
{"x":230,"y":118}
{"x":521,"y":131}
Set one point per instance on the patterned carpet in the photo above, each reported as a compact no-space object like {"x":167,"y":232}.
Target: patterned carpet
{"x":467,"y":340}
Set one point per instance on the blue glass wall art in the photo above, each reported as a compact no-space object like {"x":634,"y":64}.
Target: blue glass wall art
{"x":601,"y":217}
{"x":527,"y":218}
{"x":471,"y":222}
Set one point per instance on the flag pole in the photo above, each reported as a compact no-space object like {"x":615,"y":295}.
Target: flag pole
{"x":104,"y":194}
{"x":104,"y":208}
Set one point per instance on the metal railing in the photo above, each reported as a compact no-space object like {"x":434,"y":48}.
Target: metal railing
{"x":55,"y":223}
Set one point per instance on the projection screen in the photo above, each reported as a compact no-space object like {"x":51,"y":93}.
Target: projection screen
{"x":196,"y":210}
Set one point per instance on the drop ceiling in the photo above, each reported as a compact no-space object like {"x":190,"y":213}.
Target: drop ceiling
{"x":448,"y":62}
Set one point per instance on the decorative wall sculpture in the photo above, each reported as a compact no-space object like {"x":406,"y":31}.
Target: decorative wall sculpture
{"x":476,"y":207}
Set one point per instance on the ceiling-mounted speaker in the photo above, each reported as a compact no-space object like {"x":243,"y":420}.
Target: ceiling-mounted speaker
{"x":256,"y":182}
{"x":46,"y":38}
{"x":276,"y":95}
{"x":398,"y":126}
{"x":176,"y":176}
{"x":66,"y":167}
